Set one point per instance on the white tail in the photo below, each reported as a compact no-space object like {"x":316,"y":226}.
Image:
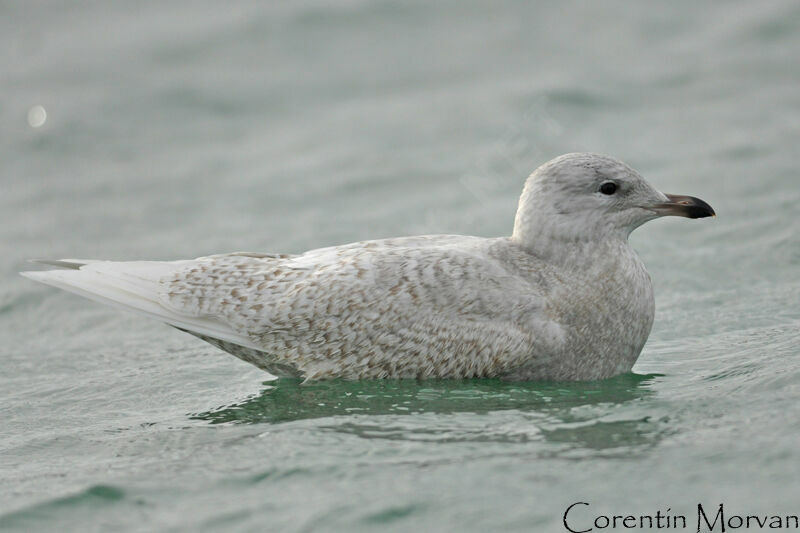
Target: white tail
{"x":135,"y":286}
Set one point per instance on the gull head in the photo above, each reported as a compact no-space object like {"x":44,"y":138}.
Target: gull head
{"x":591,"y":197}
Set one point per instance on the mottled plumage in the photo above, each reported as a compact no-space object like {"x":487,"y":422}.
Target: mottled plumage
{"x":563,"y":298}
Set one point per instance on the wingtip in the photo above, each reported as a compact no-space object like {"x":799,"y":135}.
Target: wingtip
{"x":69,"y":264}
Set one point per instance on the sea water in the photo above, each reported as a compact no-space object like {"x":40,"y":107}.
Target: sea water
{"x":156,"y":130}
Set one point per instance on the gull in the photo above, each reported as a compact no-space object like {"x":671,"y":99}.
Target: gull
{"x":564,"y":298}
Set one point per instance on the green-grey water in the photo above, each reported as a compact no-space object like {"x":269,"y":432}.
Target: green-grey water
{"x":182,"y":129}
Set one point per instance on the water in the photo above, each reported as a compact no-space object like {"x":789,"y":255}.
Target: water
{"x":182,"y":129}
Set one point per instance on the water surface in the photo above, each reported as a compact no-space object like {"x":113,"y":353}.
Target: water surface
{"x":183,"y":129}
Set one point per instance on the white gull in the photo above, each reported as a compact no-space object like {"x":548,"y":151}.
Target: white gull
{"x":564,"y":298}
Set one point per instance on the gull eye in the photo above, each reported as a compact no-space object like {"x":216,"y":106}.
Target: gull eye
{"x":608,"y":188}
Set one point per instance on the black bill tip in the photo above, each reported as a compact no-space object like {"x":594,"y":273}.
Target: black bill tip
{"x":687,"y":206}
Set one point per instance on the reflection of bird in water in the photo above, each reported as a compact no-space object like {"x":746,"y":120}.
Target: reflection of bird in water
{"x":602,"y":417}
{"x":289,"y":400}
{"x":564,"y":298}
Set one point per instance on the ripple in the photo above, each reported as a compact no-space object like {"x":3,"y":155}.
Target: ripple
{"x":393,"y":514}
{"x":94,"y":497}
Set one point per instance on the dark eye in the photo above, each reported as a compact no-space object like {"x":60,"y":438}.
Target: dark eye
{"x":608,"y":187}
